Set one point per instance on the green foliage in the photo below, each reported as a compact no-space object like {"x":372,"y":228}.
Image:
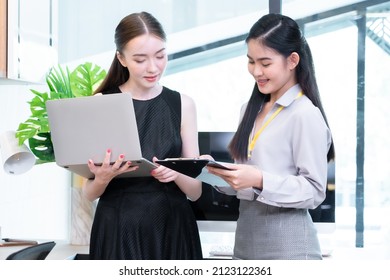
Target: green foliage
{"x":42,"y":147}
{"x":85,"y":79}
{"x":82,"y":81}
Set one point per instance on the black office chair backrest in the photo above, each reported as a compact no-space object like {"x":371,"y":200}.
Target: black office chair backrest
{"x":35,"y":252}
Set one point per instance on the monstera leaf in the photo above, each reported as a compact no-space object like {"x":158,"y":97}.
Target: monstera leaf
{"x":82,"y":81}
{"x":85,"y":79}
{"x":42,"y":147}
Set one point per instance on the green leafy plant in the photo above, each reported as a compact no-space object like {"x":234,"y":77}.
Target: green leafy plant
{"x":62,"y":83}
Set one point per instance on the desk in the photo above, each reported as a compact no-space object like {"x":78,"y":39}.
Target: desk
{"x":61,"y":251}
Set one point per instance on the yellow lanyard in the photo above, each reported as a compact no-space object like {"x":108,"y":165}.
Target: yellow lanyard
{"x":254,"y":140}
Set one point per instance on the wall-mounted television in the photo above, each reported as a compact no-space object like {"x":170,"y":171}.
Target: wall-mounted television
{"x":216,"y":212}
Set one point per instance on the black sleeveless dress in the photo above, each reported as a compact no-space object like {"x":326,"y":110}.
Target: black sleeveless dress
{"x":142,"y":218}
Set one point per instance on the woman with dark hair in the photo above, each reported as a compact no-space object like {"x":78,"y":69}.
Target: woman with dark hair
{"x":281,"y":147}
{"x":147,"y":217}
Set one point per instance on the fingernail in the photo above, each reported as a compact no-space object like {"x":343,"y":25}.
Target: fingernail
{"x":108,"y":150}
{"x":121,"y":156}
{"x":90,"y":161}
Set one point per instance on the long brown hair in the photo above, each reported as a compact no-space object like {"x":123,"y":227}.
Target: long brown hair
{"x":129,"y":27}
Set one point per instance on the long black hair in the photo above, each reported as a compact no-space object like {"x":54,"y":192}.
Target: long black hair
{"x":129,"y":27}
{"x":283,"y":35}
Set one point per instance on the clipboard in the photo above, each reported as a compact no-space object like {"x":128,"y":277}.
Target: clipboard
{"x":190,"y":166}
{"x":196,"y":168}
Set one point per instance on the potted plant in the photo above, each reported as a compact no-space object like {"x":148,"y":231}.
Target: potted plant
{"x":62,"y":83}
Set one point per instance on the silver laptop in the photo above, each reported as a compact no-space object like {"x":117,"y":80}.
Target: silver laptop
{"x":84,"y":128}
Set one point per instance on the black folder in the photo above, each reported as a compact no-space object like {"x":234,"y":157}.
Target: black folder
{"x":190,"y":166}
{"x":196,"y":168}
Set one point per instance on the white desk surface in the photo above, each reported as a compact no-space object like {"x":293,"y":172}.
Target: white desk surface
{"x":64,"y":251}
{"x":61,"y":251}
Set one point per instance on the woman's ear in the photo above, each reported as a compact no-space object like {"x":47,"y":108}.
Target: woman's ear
{"x":293,"y":60}
{"x":120,"y":58}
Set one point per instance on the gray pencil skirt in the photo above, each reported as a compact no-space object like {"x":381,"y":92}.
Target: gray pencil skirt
{"x":268,"y":233}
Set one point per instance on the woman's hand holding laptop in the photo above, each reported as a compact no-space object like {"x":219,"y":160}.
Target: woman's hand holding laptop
{"x":108,"y":170}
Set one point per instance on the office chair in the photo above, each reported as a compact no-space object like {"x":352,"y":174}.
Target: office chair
{"x":35,"y":252}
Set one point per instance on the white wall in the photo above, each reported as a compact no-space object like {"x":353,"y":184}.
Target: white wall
{"x":35,"y":204}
